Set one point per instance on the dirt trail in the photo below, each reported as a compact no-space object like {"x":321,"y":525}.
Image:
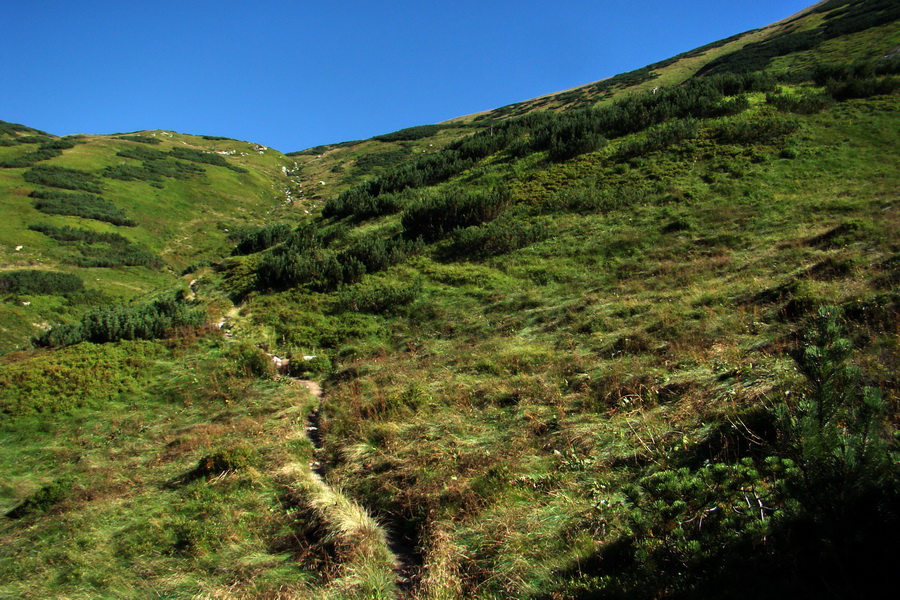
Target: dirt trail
{"x":408,"y":557}
{"x":402,"y":544}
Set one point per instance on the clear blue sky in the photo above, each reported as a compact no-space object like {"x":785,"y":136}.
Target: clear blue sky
{"x":295,"y":74}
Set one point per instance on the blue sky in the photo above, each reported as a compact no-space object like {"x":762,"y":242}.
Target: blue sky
{"x":292,"y":75}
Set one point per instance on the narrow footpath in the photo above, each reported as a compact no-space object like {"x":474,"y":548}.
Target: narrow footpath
{"x":408,"y":557}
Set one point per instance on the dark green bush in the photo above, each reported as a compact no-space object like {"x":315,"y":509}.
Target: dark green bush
{"x":39,"y":282}
{"x":99,"y":249}
{"x":153,"y":171}
{"x":34,"y":139}
{"x":7,"y":128}
{"x":410,"y":133}
{"x":571,"y":141}
{"x":317,"y":365}
{"x":862,"y":87}
{"x":61,"y":177}
{"x":501,"y":236}
{"x":304,"y":259}
{"x":142,"y":153}
{"x":376,"y":253}
{"x":125,"y":172}
{"x":659,"y":138}
{"x":433,"y":217}
{"x":250,"y":361}
{"x":209,"y":158}
{"x":115,"y":322}
{"x":45,"y":151}
{"x":845,"y":487}
{"x":318,"y":269}
{"x":87,"y":206}
{"x":361,"y":205}
{"x":380,"y":160}
{"x":380,"y":295}
{"x":262,"y":238}
{"x":142,"y":139}
{"x":754,"y":131}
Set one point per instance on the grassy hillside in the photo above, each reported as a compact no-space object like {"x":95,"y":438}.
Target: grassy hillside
{"x":164,"y":201}
{"x":641,"y":345}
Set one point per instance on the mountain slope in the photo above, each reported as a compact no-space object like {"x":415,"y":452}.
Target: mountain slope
{"x":168,"y":200}
{"x":578,"y":353}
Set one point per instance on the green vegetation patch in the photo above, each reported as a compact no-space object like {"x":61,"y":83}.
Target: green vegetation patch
{"x":45,"y":151}
{"x":411,"y":133}
{"x":85,"y":375}
{"x":261,"y":238}
{"x":43,"y":499}
{"x":209,"y":158}
{"x":14,"y":129}
{"x":99,"y":249}
{"x":29,"y":281}
{"x":62,"y":177}
{"x":114,"y":322}
{"x":850,"y":17}
{"x":142,"y":139}
{"x":87,"y":206}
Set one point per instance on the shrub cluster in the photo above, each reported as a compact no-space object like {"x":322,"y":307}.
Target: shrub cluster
{"x":380,"y":160}
{"x":87,"y":206}
{"x":305,"y":259}
{"x":45,"y":151}
{"x":562,"y":135}
{"x":7,"y":128}
{"x":99,"y":249}
{"x":410,"y":133}
{"x":852,"y":18}
{"x":660,"y":137}
{"x":858,"y":80}
{"x":435,"y":216}
{"x":381,"y":295}
{"x":64,"y":178}
{"x":754,"y":131}
{"x":114,"y":322}
{"x":209,"y":158}
{"x":30,"y":281}
{"x":153,"y":171}
{"x":501,"y":236}
{"x":358,"y":204}
{"x":142,"y":139}
{"x":262,"y":238}
{"x":158,"y":164}
{"x":142,"y":153}
{"x":807,"y":103}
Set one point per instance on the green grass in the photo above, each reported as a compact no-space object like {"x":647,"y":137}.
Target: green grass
{"x":130,"y":500}
{"x":185,"y":222}
{"x":594,"y":394}
{"x":509,"y":404}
